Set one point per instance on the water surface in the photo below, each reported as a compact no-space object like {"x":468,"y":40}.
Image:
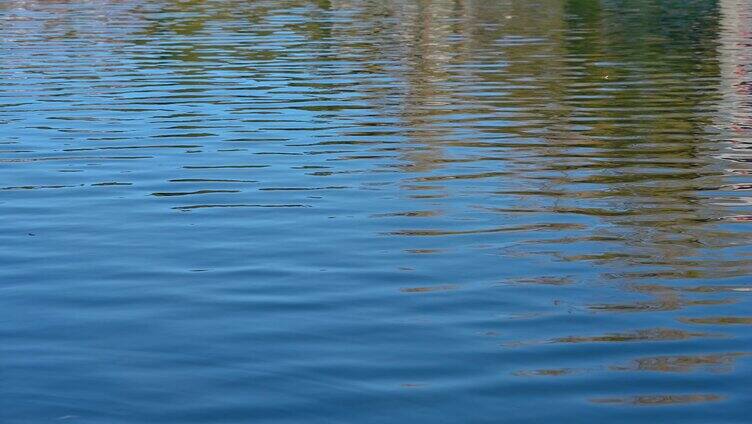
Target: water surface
{"x":381,"y":211}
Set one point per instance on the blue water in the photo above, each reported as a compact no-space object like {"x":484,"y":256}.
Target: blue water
{"x":398,"y":211}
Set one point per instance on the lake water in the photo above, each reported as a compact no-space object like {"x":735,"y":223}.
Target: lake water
{"x":376,"y":211}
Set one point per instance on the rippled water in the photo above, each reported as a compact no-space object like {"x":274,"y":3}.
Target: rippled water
{"x":373,"y":211}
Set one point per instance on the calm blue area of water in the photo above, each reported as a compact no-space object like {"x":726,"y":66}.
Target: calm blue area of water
{"x":375,"y":211}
